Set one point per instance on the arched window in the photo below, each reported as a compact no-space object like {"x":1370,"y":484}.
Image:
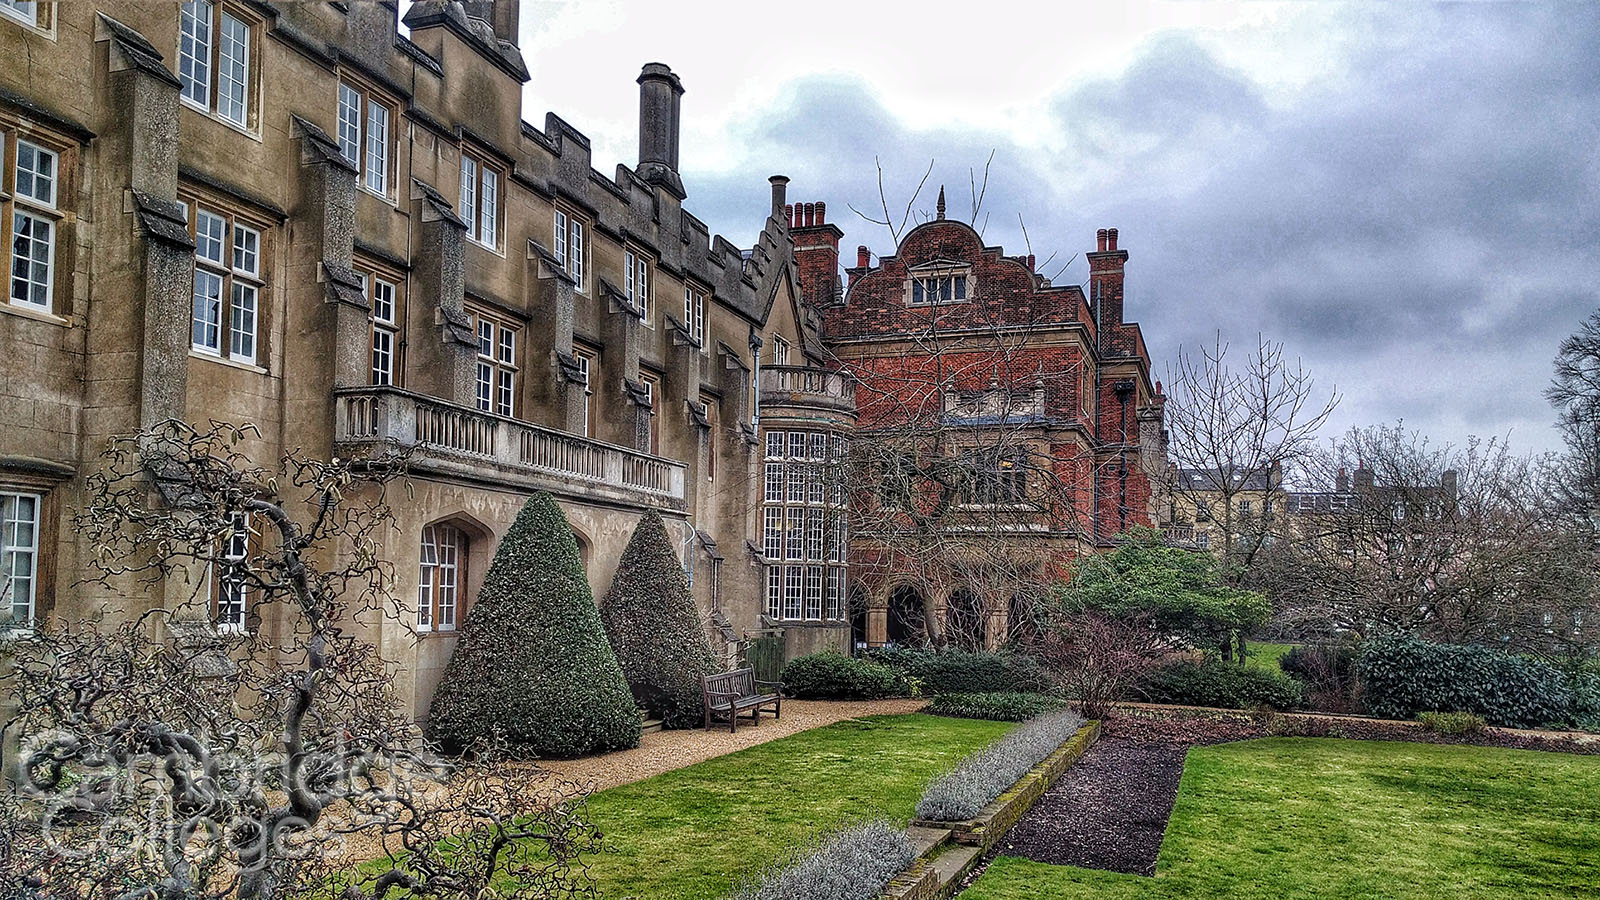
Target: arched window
{"x":439,"y":577}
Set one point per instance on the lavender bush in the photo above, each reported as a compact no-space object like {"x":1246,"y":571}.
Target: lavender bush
{"x":964,"y":791}
{"x":853,"y":864}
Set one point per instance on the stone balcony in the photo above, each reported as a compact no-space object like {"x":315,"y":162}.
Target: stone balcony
{"x":803,"y":387}
{"x":460,"y":442}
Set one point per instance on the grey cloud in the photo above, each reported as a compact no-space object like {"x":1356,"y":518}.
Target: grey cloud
{"x":1424,"y":217}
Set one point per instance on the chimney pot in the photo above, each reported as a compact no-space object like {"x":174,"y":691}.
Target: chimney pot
{"x":1100,"y":240}
{"x":1111,"y":239}
{"x":1030,"y":262}
{"x":780,"y":188}
{"x":822,"y":213}
{"x":863,"y":257}
{"x":811,"y":214}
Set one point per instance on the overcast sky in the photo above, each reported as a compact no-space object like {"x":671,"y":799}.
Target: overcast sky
{"x":1404,"y":195}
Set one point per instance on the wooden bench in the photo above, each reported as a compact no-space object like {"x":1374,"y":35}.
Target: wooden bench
{"x":732,"y":694}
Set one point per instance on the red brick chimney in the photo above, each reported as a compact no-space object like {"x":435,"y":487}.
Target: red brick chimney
{"x":1105,"y":282}
{"x":816,"y":252}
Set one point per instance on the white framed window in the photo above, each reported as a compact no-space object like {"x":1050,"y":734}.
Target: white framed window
{"x":497,"y":363}
{"x":780,"y":350}
{"x":480,"y":199}
{"x":774,"y":604}
{"x":383,"y":296}
{"x":30,"y":188}
{"x":570,"y":240}
{"x":652,"y":390}
{"x":636,"y":280}
{"x":228,"y":285}
{"x":230,"y":587}
{"x":940,"y":287}
{"x":24,"y":11}
{"x":19,"y":558}
{"x":214,"y":60}
{"x":588,"y":363}
{"x":694,"y":315}
{"x":439,"y":577}
{"x":366,"y":135}
{"x":803,"y":535}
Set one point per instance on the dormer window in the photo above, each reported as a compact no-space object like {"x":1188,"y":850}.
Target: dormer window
{"x":934,"y":284}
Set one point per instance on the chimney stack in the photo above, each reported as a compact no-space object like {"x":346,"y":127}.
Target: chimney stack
{"x":863,"y":257}
{"x":780,"y":190}
{"x":1105,"y":283}
{"x":500,"y":14}
{"x":816,"y":253}
{"x":660,"y":93}
{"x":1341,"y":482}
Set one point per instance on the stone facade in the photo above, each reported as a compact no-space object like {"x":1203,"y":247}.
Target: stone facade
{"x":1006,"y":425}
{"x":291,"y":215}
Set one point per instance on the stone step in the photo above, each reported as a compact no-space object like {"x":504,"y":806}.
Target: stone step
{"x":650,"y":726}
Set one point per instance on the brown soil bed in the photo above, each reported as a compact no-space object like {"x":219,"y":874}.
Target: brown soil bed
{"x":1110,"y":810}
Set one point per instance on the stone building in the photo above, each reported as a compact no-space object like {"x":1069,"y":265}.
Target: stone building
{"x":292,"y":215}
{"x":1211,"y":507}
{"x":1007,"y":425}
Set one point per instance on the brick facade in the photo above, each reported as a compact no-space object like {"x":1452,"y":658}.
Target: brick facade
{"x":985,"y":359}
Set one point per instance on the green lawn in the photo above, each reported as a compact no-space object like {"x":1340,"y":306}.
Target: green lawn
{"x":1265,"y":656}
{"x":1340,"y":819}
{"x":691,"y":833}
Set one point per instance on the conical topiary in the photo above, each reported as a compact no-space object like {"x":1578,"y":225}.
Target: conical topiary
{"x":655,"y":627}
{"x":532,"y":666}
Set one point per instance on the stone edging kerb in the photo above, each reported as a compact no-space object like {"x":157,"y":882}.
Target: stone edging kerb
{"x":950,"y":849}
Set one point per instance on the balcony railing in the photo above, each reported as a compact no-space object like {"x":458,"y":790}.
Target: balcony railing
{"x":1179,"y":535}
{"x":437,"y":427}
{"x":806,"y":386}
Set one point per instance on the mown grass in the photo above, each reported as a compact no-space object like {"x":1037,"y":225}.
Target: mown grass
{"x":694,"y":832}
{"x":1265,"y":656}
{"x":1317,"y":818}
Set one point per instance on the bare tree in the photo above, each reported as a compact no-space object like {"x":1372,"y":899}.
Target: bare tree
{"x":1235,"y":430}
{"x":245,"y":743}
{"x":1458,"y":544}
{"x":1101,"y":658}
{"x":1575,"y":393}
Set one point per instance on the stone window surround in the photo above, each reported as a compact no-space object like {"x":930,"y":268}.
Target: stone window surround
{"x":480,"y":166}
{"x":371,"y":273}
{"x":11,"y":203}
{"x":11,"y":500}
{"x":805,"y":553}
{"x":441,"y":577}
{"x":38,"y":15}
{"x":369,"y":96}
{"x":252,"y":22}
{"x":570,"y":244}
{"x":589,"y":362}
{"x":193,"y":199}
{"x":637,"y":282}
{"x":503,"y":368}
{"x":694,"y":314}
{"x":942,"y":275}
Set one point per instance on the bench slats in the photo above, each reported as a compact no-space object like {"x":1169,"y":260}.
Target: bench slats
{"x":728,"y":694}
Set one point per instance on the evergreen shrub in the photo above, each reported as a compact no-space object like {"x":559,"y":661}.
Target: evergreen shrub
{"x":655,"y":627}
{"x":1403,"y":676}
{"x":1212,"y":682}
{"x":531,"y":666}
{"x":833,"y":676}
{"x":967,"y":672}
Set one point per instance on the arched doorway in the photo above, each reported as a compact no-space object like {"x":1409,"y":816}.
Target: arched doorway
{"x":908,"y":625}
{"x":965,"y":622}
{"x":858,"y":616}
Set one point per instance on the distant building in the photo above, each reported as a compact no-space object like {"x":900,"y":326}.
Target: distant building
{"x":1007,"y":425}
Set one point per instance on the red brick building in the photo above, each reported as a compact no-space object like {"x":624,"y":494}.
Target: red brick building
{"x":1006,"y":424}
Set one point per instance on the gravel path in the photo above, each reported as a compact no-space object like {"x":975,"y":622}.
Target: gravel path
{"x":664,"y":751}
{"x":1108,"y":812}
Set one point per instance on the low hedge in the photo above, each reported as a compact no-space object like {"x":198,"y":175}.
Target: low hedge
{"x":834,"y":676}
{"x":1404,"y":676}
{"x":963,"y":792}
{"x":1215,"y":683}
{"x":854,"y":864}
{"x":966,"y":672}
{"x":995,"y":706}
